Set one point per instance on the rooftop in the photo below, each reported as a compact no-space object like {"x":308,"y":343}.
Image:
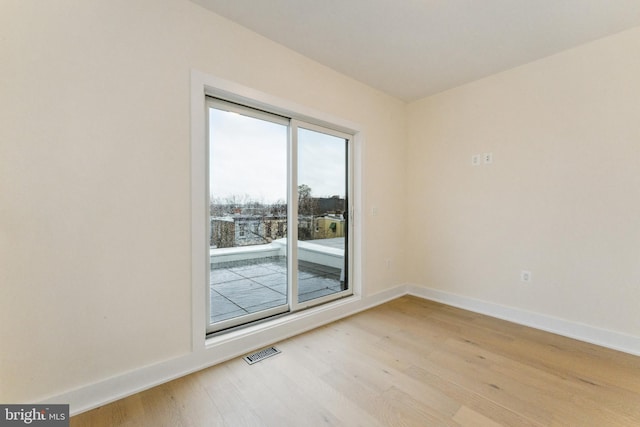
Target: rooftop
{"x":249,"y":285}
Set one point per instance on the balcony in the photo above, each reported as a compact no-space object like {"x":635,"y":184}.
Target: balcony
{"x":250,"y":279}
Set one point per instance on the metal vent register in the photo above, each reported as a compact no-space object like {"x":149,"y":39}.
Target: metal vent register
{"x":261,"y":355}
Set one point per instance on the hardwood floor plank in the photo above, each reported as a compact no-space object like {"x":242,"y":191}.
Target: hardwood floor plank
{"x":330,"y":399}
{"x":231,"y":396}
{"x":468,"y":417}
{"x":407,"y":362}
{"x":475,"y":401}
{"x":406,"y":409}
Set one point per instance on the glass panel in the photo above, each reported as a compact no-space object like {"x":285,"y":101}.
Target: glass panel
{"x":322,"y":214}
{"x":248,"y":217}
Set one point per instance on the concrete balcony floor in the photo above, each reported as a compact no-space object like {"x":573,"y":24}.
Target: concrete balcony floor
{"x":244,"y":287}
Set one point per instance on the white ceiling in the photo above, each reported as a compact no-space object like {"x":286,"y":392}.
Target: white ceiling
{"x":415,"y":48}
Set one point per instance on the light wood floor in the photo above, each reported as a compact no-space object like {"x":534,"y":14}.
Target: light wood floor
{"x":409,"y":362}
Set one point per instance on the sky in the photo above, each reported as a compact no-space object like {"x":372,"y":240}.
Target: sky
{"x":248,"y":157}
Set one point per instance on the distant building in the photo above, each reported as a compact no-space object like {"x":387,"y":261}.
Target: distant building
{"x":248,"y":226}
{"x":305,"y":227}
{"x":328,"y":205}
{"x":223,"y":230}
{"x":244,"y":230}
{"x":329,"y":226}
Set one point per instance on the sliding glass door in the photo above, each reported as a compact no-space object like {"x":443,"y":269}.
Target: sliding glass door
{"x":322,"y":213}
{"x":278,"y":215}
{"x":247,"y":214}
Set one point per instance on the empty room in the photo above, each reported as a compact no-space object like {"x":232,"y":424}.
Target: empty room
{"x":295,"y":212}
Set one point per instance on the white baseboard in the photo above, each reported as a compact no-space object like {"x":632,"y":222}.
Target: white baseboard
{"x":236,"y":344}
{"x":602,"y":337}
{"x":216,"y":351}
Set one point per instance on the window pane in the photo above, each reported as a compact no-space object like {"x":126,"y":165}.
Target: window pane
{"x":322,"y":214}
{"x":248,"y":215}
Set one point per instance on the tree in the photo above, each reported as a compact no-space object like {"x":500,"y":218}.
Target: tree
{"x":306,"y":203}
{"x":279,"y":208}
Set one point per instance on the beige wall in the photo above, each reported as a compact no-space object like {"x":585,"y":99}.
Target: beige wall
{"x":94,"y":182}
{"x":561,"y":199}
{"x":94,"y":178}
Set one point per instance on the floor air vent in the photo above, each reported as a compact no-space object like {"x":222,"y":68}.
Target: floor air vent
{"x":261,"y":355}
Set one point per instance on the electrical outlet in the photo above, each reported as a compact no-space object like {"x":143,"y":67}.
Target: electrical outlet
{"x":374,"y":211}
{"x":487,"y":158}
{"x":388,"y":264}
{"x":476,"y":159}
{"x":525,"y":276}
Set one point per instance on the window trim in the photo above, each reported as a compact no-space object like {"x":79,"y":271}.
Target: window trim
{"x":203,"y":85}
